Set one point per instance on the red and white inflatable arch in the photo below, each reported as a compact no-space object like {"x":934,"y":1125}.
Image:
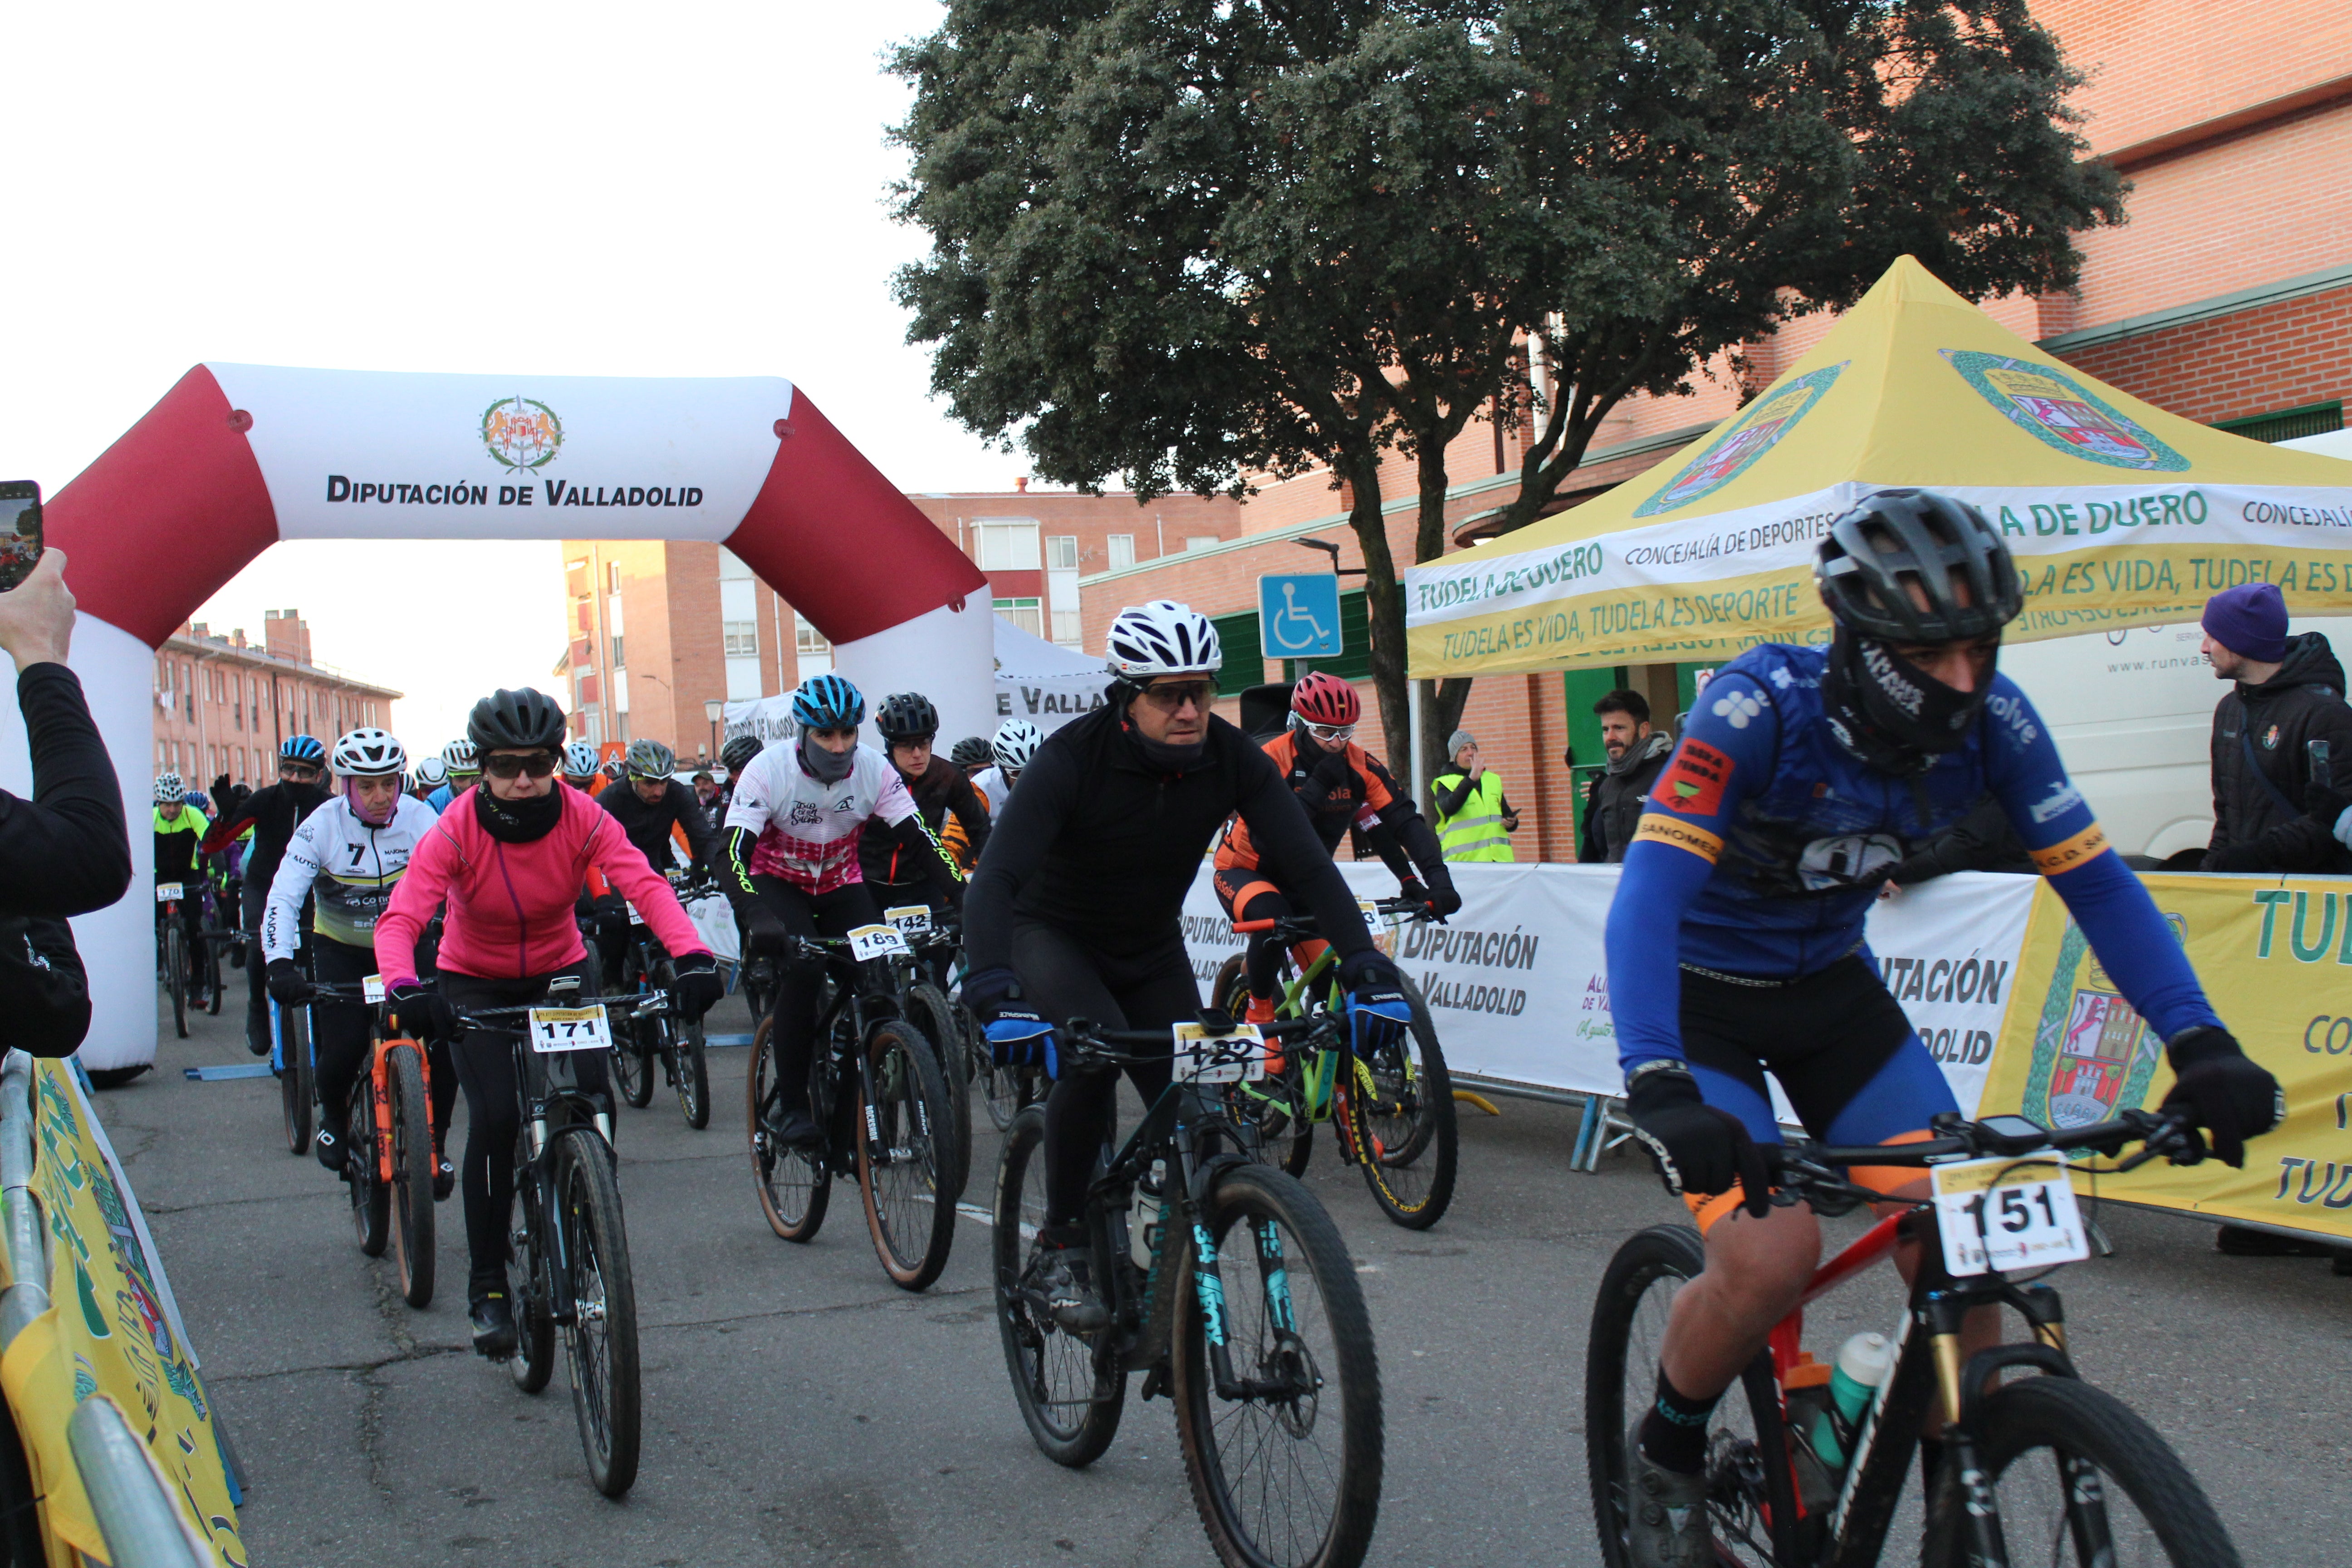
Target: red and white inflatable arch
{"x":236,"y":457}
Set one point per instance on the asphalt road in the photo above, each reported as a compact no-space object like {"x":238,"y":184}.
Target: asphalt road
{"x":800,"y":1410}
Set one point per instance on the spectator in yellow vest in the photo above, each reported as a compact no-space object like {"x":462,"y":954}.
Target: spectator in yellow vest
{"x":1473,"y":819}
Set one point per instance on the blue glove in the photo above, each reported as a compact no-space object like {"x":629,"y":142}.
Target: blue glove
{"x":1018,"y":1038}
{"x":1378,"y":1013}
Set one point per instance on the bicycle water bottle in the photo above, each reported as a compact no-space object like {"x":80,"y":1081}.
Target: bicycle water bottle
{"x":1143,"y":1215}
{"x":1862,"y":1364}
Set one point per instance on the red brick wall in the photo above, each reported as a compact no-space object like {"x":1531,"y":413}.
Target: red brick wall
{"x":2158,"y":65}
{"x":2280,"y":356}
{"x":230,"y":705}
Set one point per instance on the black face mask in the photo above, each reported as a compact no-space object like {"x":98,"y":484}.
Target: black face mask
{"x":519,"y":821}
{"x":826,"y":767}
{"x":1160,"y":754}
{"x":1887,"y":712}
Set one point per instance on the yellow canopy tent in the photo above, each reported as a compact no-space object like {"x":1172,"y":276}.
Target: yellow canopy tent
{"x":2120,"y":513}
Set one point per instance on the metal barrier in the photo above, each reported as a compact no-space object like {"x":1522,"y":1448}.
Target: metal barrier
{"x":135,"y":1510}
{"x":1601,"y":1129}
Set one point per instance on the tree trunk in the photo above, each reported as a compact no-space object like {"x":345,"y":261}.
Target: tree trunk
{"x":1381,"y":602}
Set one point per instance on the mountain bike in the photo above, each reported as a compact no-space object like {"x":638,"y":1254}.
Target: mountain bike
{"x":571,"y":1246}
{"x":216,"y":928}
{"x":295,"y":1060}
{"x":664,"y":1036}
{"x":880,"y":1108}
{"x":2063,"y":1470}
{"x":388,"y":1148}
{"x":1393,"y":1113}
{"x":945,"y":1024}
{"x":1273,"y":1374}
{"x":171,"y":952}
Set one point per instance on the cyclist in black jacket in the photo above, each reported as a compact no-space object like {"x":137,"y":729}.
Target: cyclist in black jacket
{"x":897,"y":874}
{"x":1074,"y":912}
{"x":646,"y":802}
{"x":275,"y":811}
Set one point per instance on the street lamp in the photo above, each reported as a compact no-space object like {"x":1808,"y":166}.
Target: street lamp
{"x":714,"y":709}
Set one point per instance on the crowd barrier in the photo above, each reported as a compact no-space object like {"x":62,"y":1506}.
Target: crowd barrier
{"x":118,"y":1437}
{"x":1995,"y":976}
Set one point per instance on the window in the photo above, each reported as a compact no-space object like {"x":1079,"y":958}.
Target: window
{"x":806,"y":639}
{"x":1024,"y":614}
{"x":2312,"y":419}
{"x":620,"y":692}
{"x":612,"y":614}
{"x":1122,"y":552}
{"x":617,"y":660}
{"x":1069,"y":628}
{"x":1008,"y":546}
{"x":732,"y":568}
{"x":1237,"y":638}
{"x":738,"y":615}
{"x":612,"y":578}
{"x":1200,"y":541}
{"x":741,"y":638}
{"x":1062,"y":553}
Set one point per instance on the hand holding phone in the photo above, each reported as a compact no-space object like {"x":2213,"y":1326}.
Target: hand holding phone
{"x":36,"y":620}
{"x":20,"y":531}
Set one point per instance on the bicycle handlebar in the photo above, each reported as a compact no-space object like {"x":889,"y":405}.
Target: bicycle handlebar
{"x":1808,"y":1168}
{"x":1306,"y":925}
{"x":1087,"y":1041}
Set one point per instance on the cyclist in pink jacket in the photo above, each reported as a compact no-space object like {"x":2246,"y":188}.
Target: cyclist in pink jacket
{"x":509,"y":858}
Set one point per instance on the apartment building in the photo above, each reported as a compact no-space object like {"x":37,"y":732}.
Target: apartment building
{"x":224,"y":705}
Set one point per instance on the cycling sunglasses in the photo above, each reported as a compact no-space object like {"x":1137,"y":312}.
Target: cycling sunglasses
{"x":1327,"y":733}
{"x":301,"y":773}
{"x":1169,"y":696}
{"x":507,"y":765}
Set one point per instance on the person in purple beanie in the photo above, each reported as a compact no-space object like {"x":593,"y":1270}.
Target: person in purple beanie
{"x":2282,"y":738}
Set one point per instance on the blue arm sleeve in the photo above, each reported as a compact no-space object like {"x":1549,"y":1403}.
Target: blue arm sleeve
{"x":1725,"y":756}
{"x":2134,"y":942}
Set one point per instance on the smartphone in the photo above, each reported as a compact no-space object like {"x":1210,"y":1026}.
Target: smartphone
{"x":20,"y":531}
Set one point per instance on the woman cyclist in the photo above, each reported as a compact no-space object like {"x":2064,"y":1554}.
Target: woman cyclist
{"x":791,"y":862}
{"x":347,"y":857}
{"x":509,"y":861}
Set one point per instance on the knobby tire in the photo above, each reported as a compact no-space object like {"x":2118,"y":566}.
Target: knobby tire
{"x":1070,"y":1389}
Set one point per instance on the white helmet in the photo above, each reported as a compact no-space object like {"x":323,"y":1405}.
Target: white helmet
{"x":1017,"y":740}
{"x":169,"y":789}
{"x":1163,"y":637}
{"x":461,"y":757}
{"x":432,"y":773}
{"x":579,"y":761}
{"x":368,"y":753}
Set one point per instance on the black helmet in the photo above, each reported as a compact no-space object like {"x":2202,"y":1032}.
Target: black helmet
{"x":516,"y":719}
{"x":1889,"y":544}
{"x":971,"y":752}
{"x":737,"y":753}
{"x":907,"y":716}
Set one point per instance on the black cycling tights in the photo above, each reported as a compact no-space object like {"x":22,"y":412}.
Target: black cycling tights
{"x":800,"y":981}
{"x":485,"y":1066}
{"x":1064,"y":980}
{"x":339,"y":1040}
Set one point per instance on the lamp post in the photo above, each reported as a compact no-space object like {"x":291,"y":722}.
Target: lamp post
{"x":714,"y":709}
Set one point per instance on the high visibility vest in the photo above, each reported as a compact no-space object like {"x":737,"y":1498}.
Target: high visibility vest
{"x":1476,"y":832}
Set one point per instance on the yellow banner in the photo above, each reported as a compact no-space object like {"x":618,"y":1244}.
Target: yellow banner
{"x":2276,"y":956}
{"x":108,"y":1332}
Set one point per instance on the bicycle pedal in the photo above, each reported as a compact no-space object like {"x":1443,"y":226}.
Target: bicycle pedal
{"x":1155,"y":1380}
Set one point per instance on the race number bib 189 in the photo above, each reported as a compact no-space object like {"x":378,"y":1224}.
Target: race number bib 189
{"x":913,"y":920}
{"x":2007,"y":1214}
{"x":1203,"y":1058}
{"x":877,"y":941}
{"x":571,"y":1029}
{"x":167,"y":892}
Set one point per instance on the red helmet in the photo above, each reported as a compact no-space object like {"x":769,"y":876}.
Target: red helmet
{"x":1321,"y":699}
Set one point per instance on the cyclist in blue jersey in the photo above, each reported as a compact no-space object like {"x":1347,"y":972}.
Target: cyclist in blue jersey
{"x":1803,"y":776}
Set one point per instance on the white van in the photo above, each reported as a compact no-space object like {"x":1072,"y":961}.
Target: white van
{"x":2133,"y":715}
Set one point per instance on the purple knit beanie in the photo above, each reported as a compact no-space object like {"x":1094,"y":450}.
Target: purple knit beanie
{"x":2249,"y":620}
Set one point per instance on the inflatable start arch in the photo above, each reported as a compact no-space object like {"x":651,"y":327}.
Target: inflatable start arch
{"x":236,"y":457}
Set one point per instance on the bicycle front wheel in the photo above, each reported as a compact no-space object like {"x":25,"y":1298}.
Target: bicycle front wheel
{"x":212,"y":977}
{"x":1284,"y":1466}
{"x":1405,"y":1130}
{"x":370,"y":1202}
{"x":903,"y":1137}
{"x":795,"y":1181}
{"x":412,"y":1173}
{"x":1070,"y":1387}
{"x":2078,"y":1478}
{"x":1621,"y":1378}
{"x":602,"y":1339}
{"x":534,"y":1301}
{"x":693,"y":1073}
{"x":294,"y":1076}
{"x":176,"y":973}
{"x":632,"y":1064}
{"x":941,"y":1027}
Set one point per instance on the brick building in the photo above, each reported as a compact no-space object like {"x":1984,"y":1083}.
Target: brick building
{"x":223,"y":705}
{"x":662,"y":629}
{"x":2226,"y":298}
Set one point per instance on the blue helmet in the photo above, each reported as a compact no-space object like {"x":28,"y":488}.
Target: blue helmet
{"x":304,"y":749}
{"x":828,"y":702}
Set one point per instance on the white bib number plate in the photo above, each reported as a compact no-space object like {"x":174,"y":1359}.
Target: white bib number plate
{"x":912,"y":920}
{"x":1203,"y":1058}
{"x":571,"y":1029}
{"x":2008,"y":1215}
{"x":167,"y":892}
{"x":635,"y":918}
{"x":877,"y":941}
{"x":372,"y":989}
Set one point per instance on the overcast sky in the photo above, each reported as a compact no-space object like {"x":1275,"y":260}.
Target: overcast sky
{"x":489,"y":187}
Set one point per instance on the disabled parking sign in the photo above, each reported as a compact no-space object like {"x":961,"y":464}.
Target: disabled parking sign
{"x":1298,"y":616}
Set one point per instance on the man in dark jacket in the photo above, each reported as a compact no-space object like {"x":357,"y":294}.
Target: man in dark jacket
{"x":1612,"y":805}
{"x":2282,"y":738}
{"x":274,"y":811}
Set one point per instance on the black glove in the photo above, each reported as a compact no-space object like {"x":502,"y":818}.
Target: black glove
{"x":421,"y":1012}
{"x":2218,"y":1088}
{"x":2235,"y":857}
{"x":986,"y":992}
{"x":289,"y":986}
{"x":699,"y":986}
{"x":1442,"y":900}
{"x":765,"y":929}
{"x":1698,"y":1149}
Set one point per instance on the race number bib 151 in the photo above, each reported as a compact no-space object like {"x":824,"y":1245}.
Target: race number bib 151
{"x":2007,"y":1214}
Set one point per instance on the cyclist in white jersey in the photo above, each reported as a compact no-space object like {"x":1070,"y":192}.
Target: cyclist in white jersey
{"x":792,"y":862}
{"x":345,"y":857}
